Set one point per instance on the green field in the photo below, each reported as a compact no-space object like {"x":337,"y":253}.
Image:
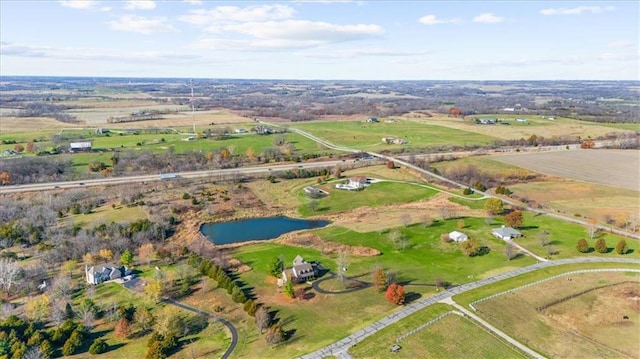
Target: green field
{"x":368,"y":136}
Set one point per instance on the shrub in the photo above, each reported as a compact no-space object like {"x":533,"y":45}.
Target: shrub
{"x":582,"y":246}
{"x":274,"y":335}
{"x":601,"y":245}
{"x":621,"y":247}
{"x":98,"y":346}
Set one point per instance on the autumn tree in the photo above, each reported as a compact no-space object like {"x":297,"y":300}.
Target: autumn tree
{"x":5,"y":178}
{"x":123,"y":328}
{"x":514,"y":219}
{"x":263,"y":319}
{"x":299,"y":293}
{"x":106,"y":254}
{"x":621,"y":247}
{"x":145,"y":253}
{"x":395,"y":294}
{"x":250,"y":153}
{"x":154,"y":289}
{"x":18,"y":148}
{"x":494,"y":206}
{"x":582,"y":245}
{"x":379,"y":279}
{"x":143,"y":318}
{"x":470,"y":247}
{"x":274,"y":335}
{"x":601,"y":245}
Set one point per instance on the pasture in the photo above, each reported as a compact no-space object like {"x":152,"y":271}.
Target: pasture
{"x":588,"y":320}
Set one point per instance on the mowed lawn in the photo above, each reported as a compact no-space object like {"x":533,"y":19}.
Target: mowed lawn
{"x":450,"y":337}
{"x":588,"y":324}
{"x":368,"y":136}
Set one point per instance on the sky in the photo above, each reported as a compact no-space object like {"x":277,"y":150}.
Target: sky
{"x":323,"y":40}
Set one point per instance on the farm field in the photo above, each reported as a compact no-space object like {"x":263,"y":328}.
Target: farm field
{"x":368,"y":136}
{"x":609,"y":167}
{"x":588,"y":320}
{"x":535,"y":125}
{"x":451,"y":337}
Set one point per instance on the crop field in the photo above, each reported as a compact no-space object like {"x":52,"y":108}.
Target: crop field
{"x":451,"y":337}
{"x":617,"y":168}
{"x":535,"y":125}
{"x":575,"y":316}
{"x":368,"y":136}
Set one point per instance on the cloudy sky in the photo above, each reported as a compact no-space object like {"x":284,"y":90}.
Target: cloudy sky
{"x":361,"y":40}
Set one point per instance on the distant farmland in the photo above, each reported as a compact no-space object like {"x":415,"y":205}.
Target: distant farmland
{"x":618,"y":168}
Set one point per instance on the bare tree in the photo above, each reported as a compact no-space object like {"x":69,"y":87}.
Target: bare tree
{"x":633,"y":222}
{"x":61,"y":288}
{"x":510,"y":251}
{"x":58,"y":314}
{"x":87,"y":316}
{"x":263,"y":319}
{"x":544,"y":237}
{"x":343,"y":263}
{"x":592,"y":228}
{"x":9,"y":273}
{"x":34,"y":353}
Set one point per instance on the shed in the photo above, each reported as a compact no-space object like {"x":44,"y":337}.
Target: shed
{"x":506,"y":233}
{"x":458,"y":236}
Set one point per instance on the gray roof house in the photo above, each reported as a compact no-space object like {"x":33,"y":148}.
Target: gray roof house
{"x":102,"y":273}
{"x":506,"y":233}
{"x":301,"y":271}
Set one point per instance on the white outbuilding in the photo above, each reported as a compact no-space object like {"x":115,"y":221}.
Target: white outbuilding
{"x":458,"y":236}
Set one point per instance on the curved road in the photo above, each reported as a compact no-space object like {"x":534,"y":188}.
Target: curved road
{"x":343,"y":345}
{"x":232,"y":329}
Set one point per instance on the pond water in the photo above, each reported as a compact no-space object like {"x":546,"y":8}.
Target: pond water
{"x":256,"y":229}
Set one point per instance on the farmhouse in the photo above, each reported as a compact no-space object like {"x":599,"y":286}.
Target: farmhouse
{"x":458,"y":236}
{"x":103,"y":272}
{"x":301,"y":271}
{"x":486,"y":121}
{"x":506,"y":233}
{"x":80,"y":146}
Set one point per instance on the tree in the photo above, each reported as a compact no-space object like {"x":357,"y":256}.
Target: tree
{"x":143,"y":318}
{"x":470,"y":247}
{"x":5,"y":178}
{"x":250,"y":153}
{"x":288,"y":289}
{"x":263,"y":319}
{"x":391,"y":165}
{"x":47,"y":349}
{"x":544,"y":238}
{"x":510,"y":251}
{"x":36,"y":308}
{"x":73,"y":343}
{"x":126,"y":258}
{"x":122,"y":329}
{"x":18,"y":148}
{"x":106,"y":254}
{"x":395,"y":294}
{"x":145,"y":253}
{"x":379,"y":279}
{"x":9,"y":273}
{"x":514,"y":219}
{"x":98,"y":346}
{"x":342,"y":263}
{"x":460,"y":223}
{"x":582,"y":246}
{"x":494,"y":206}
{"x":313,"y":205}
{"x":621,"y":247}
{"x":154,"y":289}
{"x":299,"y":293}
{"x":276,"y":266}
{"x":601,"y":245}
{"x":274,"y":335}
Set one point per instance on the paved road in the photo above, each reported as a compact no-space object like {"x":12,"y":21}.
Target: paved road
{"x":344,"y":344}
{"x":232,"y":329}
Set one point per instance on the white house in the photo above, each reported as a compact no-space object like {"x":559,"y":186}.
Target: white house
{"x":102,"y":273}
{"x":506,"y":233}
{"x":80,"y":146}
{"x":354,"y":184}
{"x":458,"y":236}
{"x":301,"y":271}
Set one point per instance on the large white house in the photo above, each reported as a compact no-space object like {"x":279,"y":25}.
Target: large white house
{"x":506,"y":233}
{"x":301,"y":271}
{"x":458,"y":236}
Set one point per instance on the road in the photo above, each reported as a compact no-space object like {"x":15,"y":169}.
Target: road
{"x":232,"y":329}
{"x":178,"y":175}
{"x":337,"y":348}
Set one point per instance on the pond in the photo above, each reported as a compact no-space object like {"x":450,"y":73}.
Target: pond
{"x":256,"y":229}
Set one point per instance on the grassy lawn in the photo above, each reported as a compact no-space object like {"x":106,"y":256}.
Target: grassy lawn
{"x":564,"y":236}
{"x":368,"y":136}
{"x":450,"y":337}
{"x":377,"y":194}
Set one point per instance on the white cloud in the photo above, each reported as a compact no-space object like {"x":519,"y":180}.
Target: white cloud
{"x":488,"y":18}
{"x":304,"y":30}
{"x":356,"y":53}
{"x":620,"y":43}
{"x":142,"y":25}
{"x":140,"y":5}
{"x":105,"y":9}
{"x":229,"y":14}
{"x":78,"y":4}
{"x":433,"y":20}
{"x":577,"y":10}
{"x":193,"y":2}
